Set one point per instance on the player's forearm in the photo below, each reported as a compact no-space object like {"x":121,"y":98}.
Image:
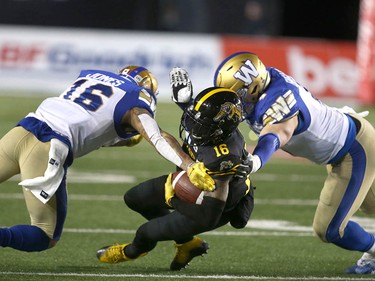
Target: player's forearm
{"x":265,"y":148}
{"x":283,"y":130}
{"x":165,"y":144}
{"x":271,"y":138}
{"x":186,"y":160}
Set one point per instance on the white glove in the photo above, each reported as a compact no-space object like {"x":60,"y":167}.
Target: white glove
{"x":349,"y":110}
{"x":182,"y":89}
{"x":254,"y":162}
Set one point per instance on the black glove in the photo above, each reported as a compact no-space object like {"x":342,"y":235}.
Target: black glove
{"x":244,"y":169}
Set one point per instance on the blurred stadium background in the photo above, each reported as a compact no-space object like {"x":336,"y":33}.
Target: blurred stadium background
{"x":328,"y":46}
{"x":44,"y":43}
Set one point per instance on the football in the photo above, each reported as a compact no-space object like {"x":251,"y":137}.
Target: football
{"x":185,"y":190}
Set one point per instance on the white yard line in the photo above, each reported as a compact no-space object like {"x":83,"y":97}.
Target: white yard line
{"x":104,"y":197}
{"x":182,"y":276}
{"x":112,"y":177}
{"x":281,"y":227}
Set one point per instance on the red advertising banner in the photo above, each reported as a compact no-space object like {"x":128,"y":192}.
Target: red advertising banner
{"x":366,"y":52}
{"x":327,"y":68}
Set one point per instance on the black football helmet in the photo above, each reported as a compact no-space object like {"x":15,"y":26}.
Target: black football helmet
{"x":212,"y":116}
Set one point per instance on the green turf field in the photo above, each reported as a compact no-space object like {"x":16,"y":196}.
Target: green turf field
{"x":277,"y":245}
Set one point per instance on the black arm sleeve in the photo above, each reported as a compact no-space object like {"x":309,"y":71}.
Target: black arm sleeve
{"x":207,"y":214}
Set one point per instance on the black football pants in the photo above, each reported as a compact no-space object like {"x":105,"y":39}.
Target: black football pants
{"x":164,"y":223}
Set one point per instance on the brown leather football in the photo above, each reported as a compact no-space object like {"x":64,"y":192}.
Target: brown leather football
{"x":185,"y":190}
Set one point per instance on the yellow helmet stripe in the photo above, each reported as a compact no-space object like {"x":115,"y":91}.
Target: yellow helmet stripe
{"x":209,"y":94}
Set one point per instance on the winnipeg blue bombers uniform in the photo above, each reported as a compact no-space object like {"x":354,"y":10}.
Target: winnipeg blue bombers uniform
{"x":285,"y":115}
{"x":148,"y":199}
{"x":322,"y":131}
{"x":338,"y":138}
{"x":326,"y":135}
{"x":87,"y":116}
{"x":96,"y":104}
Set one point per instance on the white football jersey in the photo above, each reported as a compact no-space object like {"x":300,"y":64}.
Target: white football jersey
{"x":322,"y":130}
{"x":90,"y":112}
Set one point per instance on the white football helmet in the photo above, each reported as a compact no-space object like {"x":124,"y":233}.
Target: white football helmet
{"x":244,"y":73}
{"x":142,"y":76}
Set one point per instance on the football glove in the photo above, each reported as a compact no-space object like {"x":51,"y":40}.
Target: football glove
{"x":182,"y":89}
{"x":243,"y":170}
{"x":198,"y":176}
{"x":168,"y":190}
{"x":134,"y":140}
{"x":253,"y":162}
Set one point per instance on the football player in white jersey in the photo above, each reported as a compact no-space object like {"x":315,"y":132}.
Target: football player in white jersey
{"x":99,"y":109}
{"x":285,"y":115}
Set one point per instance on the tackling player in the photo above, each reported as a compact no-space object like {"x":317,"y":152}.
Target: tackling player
{"x":285,"y":115}
{"x":210,"y":122}
{"x":99,"y":109}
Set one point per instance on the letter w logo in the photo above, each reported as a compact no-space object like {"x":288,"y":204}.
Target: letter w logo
{"x":245,"y":73}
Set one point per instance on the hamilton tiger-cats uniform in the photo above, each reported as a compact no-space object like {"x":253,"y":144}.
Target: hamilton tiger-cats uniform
{"x":188,"y":219}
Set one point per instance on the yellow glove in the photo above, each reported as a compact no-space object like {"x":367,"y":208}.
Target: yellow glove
{"x":198,"y":176}
{"x":134,"y":140}
{"x":168,"y":190}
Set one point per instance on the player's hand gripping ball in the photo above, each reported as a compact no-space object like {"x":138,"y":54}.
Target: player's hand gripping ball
{"x":185,"y":190}
{"x":198,"y":175}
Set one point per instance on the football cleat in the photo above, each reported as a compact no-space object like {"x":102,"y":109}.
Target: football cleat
{"x":365,"y":265}
{"x":187,"y":251}
{"x":114,"y":254}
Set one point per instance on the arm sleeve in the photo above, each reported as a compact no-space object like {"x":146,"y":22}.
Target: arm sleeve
{"x":160,"y":143}
{"x":267,"y":145}
{"x":207,"y":214}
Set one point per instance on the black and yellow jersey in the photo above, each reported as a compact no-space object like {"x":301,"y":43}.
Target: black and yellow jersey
{"x":222,"y":160}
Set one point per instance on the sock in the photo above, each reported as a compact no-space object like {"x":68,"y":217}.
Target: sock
{"x":26,"y":238}
{"x":355,"y":238}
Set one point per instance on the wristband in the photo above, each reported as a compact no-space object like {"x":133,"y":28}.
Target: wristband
{"x":267,"y":145}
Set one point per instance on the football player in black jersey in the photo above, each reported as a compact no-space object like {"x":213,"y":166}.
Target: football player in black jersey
{"x":209,"y":129}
